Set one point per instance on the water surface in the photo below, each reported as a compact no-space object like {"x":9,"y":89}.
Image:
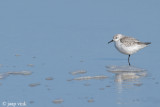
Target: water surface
{"x":55,"y":53}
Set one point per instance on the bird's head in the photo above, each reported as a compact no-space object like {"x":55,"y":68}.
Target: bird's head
{"x":117,"y":37}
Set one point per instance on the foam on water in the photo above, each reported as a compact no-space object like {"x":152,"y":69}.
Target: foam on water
{"x":20,"y":73}
{"x":90,"y":77}
{"x":6,"y":74}
{"x":78,"y":72}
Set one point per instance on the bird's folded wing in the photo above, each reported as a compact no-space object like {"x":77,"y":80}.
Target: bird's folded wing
{"x":129,"y":41}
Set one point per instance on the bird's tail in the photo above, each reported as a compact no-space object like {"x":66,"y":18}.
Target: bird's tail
{"x":144,"y":43}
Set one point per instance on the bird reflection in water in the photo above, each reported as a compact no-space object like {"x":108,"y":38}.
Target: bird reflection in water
{"x":127,"y":76}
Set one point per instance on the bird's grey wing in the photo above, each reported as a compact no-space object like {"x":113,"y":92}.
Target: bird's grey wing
{"x":129,"y":41}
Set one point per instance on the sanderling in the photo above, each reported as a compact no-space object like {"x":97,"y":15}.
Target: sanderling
{"x":128,"y":45}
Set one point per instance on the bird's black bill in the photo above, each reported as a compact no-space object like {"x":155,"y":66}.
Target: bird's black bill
{"x":110,"y":41}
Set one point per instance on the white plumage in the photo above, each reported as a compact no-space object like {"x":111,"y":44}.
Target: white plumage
{"x":128,"y":45}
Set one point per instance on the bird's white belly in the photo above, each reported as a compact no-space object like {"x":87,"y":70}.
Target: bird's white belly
{"x":126,"y":50}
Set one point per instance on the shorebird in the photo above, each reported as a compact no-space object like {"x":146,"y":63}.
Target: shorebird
{"x":128,"y":45}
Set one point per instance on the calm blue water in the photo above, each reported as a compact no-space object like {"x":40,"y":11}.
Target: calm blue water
{"x":58,"y":37}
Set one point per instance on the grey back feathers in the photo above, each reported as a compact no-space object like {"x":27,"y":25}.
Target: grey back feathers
{"x":129,"y":41}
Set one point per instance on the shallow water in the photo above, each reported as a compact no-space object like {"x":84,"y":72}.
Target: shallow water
{"x":55,"y":53}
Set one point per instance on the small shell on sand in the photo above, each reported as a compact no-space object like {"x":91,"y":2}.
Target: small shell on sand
{"x":90,"y":100}
{"x":17,"y":55}
{"x":58,"y":101}
{"x":34,"y":84}
{"x":49,"y":78}
{"x":30,"y":65}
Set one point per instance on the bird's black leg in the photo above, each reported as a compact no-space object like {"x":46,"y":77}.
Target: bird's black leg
{"x":128,"y":60}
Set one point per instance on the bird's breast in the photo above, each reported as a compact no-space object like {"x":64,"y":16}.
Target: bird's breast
{"x":125,"y":50}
